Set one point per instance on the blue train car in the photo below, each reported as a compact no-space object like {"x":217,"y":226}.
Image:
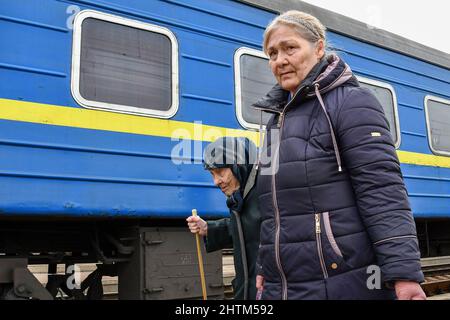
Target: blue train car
{"x":106,"y":106}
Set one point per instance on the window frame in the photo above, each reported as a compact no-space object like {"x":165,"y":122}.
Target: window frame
{"x":119,"y":108}
{"x":238,"y":85}
{"x":427,"y":120}
{"x":388,"y":86}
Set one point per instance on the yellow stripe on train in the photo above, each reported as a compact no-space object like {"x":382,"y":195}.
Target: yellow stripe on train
{"x":112,"y":121}
{"x":422,"y":159}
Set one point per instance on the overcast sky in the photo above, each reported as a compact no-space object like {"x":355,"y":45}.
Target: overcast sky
{"x":426,"y":22}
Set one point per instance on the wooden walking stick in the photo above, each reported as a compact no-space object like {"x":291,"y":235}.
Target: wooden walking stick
{"x":200,"y":260}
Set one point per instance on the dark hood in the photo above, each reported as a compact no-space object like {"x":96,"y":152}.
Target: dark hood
{"x":237,"y":153}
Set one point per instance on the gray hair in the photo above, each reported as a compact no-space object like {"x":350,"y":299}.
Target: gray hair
{"x":308,"y":26}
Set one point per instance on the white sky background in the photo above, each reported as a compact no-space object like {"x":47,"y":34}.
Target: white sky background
{"x":426,"y":22}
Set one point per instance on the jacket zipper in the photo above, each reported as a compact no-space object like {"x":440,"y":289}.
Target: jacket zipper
{"x":393,"y":238}
{"x":277,"y":239}
{"x":284,"y":293}
{"x":283,"y":112}
{"x":243,"y":252}
{"x":319,"y":246}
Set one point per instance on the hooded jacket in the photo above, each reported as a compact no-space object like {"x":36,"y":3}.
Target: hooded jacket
{"x":241,"y":230}
{"x":336,"y":217}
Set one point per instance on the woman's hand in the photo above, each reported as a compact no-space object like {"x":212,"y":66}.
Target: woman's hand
{"x":197,"y":225}
{"x":409,"y":290}
{"x":259,"y":283}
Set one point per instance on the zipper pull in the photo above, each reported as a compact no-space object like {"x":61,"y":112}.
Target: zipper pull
{"x":318,"y":223}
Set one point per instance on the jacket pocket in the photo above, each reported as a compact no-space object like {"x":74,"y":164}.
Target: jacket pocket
{"x":329,"y":234}
{"x":318,"y":232}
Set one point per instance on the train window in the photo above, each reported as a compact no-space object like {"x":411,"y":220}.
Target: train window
{"x":386,"y":96}
{"x":253,"y":79}
{"x":437,"y":112}
{"x":124,"y":65}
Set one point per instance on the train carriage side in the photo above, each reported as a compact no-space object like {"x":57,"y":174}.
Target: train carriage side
{"x":57,"y":136}
{"x":91,"y":118}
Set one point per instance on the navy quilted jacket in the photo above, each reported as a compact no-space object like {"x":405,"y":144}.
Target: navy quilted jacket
{"x":334,"y":205}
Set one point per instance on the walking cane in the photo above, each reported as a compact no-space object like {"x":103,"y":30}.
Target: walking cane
{"x":200,"y":260}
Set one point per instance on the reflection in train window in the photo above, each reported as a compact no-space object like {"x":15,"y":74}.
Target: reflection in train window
{"x":253,"y":80}
{"x":386,"y":96}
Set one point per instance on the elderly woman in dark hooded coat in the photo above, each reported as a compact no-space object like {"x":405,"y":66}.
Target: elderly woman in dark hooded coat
{"x":231,"y":161}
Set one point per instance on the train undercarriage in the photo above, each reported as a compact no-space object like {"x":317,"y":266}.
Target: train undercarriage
{"x":150,"y":262}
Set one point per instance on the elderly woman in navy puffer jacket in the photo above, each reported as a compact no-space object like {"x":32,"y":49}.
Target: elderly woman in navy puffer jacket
{"x":333,"y":202}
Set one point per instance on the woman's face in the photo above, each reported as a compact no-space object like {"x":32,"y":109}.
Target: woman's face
{"x":291,"y":57}
{"x":225,"y":180}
